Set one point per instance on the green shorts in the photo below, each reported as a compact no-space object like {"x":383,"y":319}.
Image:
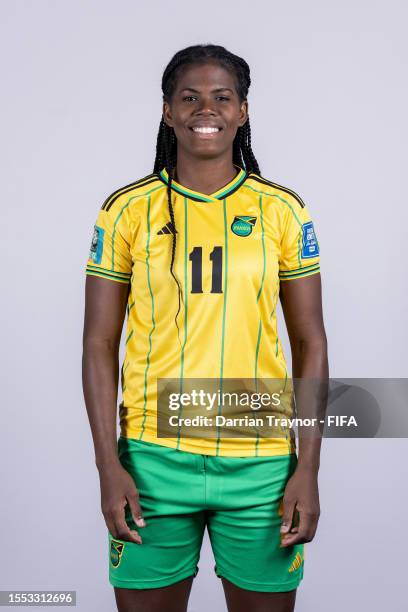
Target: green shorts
{"x":237,"y":498}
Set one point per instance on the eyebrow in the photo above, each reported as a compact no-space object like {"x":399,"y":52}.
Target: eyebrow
{"x":213,"y":90}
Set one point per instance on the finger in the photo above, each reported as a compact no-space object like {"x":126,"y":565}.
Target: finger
{"x":308,"y":523}
{"x":109,"y":516}
{"x":133,"y":501}
{"x":287,"y":541}
{"x":296,"y":538}
{"x":111,"y":527}
{"x":296,"y":518}
{"x":123,"y":531}
{"x":298,"y":530}
{"x":287,"y":515}
{"x":302,"y":533}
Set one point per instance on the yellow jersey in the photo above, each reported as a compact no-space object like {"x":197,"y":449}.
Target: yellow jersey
{"x":233,"y":249}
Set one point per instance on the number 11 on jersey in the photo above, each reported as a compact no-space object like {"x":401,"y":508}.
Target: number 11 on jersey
{"x":196,"y":258}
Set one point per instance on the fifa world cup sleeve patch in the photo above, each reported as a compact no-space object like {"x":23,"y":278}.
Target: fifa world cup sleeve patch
{"x":95,"y":254}
{"x":310,"y":246}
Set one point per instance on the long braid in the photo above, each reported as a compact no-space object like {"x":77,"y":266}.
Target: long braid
{"x":246,"y":148}
{"x":166,"y":147}
{"x":170,"y":156}
{"x":236,"y":150}
{"x":158,"y":164}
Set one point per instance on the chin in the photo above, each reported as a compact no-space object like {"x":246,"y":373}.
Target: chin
{"x":206,"y":153}
{"x":210,"y":149}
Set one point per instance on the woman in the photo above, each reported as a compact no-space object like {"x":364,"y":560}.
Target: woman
{"x":232,"y":241}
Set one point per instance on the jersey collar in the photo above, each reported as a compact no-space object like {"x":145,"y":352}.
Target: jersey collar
{"x":222,"y":193}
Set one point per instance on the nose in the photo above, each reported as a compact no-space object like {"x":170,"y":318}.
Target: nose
{"x":206,"y":107}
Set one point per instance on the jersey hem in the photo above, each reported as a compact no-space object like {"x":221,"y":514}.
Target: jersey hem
{"x":286,"y":449}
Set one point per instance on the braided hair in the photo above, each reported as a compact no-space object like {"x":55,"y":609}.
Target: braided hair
{"x":166,"y":147}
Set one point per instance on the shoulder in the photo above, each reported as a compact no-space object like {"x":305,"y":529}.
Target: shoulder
{"x":267,"y":187}
{"x":121,"y":197}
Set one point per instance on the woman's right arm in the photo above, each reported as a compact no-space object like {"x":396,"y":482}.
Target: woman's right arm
{"x":105,"y":308}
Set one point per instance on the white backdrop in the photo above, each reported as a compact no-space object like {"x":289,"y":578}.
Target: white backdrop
{"x":81,"y":107}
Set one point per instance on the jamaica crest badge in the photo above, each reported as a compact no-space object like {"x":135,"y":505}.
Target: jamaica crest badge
{"x":116,"y":551}
{"x":242,"y":225}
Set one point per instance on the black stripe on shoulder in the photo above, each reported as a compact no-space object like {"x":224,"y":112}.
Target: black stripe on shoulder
{"x":264,"y":181}
{"x":146,"y":180}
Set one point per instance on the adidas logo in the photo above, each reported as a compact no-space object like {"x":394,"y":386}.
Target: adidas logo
{"x":167,"y":229}
{"x":297,"y":562}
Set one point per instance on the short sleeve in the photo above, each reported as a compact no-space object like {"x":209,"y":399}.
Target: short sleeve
{"x":110,"y":255}
{"x":300,"y":253}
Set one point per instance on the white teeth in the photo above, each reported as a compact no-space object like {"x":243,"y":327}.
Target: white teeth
{"x":206,"y":130}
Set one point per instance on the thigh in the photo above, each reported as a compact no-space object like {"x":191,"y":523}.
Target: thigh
{"x":169,"y":553}
{"x":173,"y":598}
{"x":175,"y":521}
{"x":245,"y":529}
{"x":242,"y":600}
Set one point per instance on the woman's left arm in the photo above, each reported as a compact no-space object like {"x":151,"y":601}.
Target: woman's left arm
{"x":301,"y":301}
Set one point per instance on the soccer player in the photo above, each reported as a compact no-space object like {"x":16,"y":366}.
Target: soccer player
{"x":197,"y":254}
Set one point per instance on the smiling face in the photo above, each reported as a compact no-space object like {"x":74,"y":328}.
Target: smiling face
{"x":205,"y":111}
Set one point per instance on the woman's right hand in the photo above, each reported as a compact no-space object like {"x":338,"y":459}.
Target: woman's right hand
{"x":118,"y":489}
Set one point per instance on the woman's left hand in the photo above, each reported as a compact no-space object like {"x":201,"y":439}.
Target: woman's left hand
{"x":301,"y":508}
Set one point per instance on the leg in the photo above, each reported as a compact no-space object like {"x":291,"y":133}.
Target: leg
{"x":173,"y":598}
{"x":244,"y":529}
{"x":241,"y":600}
{"x":157,"y":574}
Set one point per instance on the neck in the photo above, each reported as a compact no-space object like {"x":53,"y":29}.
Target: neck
{"x":204,"y":175}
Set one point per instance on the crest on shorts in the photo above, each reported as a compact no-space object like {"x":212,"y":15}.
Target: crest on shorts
{"x":242,"y":225}
{"x":95,"y":254}
{"x":116,"y":551}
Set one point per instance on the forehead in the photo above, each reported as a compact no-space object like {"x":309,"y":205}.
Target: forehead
{"x":203,"y":76}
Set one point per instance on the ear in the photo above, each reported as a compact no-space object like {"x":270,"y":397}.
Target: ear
{"x":243,"y":113}
{"x":167,"y":114}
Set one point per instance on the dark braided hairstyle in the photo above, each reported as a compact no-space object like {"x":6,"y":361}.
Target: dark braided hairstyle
{"x":166,"y":148}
